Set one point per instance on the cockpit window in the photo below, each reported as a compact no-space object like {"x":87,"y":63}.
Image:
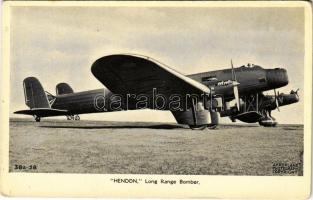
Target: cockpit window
{"x":262,"y":80}
{"x":257,"y":67}
{"x":250,"y":66}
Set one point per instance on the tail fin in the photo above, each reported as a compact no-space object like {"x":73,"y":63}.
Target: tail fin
{"x":35,"y":96}
{"x":63,"y":88}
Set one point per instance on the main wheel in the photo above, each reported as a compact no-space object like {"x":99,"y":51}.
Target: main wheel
{"x":213,"y":126}
{"x":268,"y":123}
{"x":77,"y":117}
{"x":37,"y":119}
{"x":198,"y":127}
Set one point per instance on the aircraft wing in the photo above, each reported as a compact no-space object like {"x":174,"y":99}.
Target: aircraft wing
{"x":129,"y":74}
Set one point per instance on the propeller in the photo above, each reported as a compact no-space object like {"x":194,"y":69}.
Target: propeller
{"x":235,"y":84}
{"x":295,"y":92}
{"x":276,"y":100}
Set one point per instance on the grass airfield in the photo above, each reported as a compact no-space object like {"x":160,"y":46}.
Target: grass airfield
{"x":151,"y":148}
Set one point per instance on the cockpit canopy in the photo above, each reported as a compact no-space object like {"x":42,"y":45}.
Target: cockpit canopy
{"x":250,"y":66}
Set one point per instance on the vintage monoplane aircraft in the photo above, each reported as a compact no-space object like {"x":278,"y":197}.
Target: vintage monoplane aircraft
{"x":139,"y":82}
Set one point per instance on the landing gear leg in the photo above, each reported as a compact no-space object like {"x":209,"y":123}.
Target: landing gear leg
{"x":73,"y":117}
{"x":268,"y":120}
{"x":214,"y":120}
{"x":270,"y":115}
{"x":194,"y":115}
{"x":273,"y":119}
{"x":70,"y":117}
{"x":37,"y":119}
{"x":232,"y":119}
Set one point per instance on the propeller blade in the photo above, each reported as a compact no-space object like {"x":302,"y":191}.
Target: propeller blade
{"x":276,"y":100}
{"x":233,"y":71}
{"x":236,"y":93}
{"x":295,"y":92}
{"x":235,"y":85}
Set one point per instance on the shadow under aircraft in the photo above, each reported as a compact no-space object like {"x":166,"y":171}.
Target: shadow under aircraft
{"x":135,"y":82}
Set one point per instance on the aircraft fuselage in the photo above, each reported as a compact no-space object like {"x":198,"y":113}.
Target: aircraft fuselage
{"x":252,"y":80}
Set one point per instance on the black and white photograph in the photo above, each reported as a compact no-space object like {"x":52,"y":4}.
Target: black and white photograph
{"x":158,"y":89}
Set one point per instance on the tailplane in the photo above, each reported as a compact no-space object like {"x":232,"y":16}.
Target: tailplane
{"x":35,"y":96}
{"x":38,"y":101}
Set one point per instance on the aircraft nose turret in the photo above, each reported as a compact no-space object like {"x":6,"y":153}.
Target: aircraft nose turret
{"x":276,"y":77}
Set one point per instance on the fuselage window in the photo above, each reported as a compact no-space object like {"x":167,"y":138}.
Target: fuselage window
{"x":209,"y":78}
{"x":262,"y":80}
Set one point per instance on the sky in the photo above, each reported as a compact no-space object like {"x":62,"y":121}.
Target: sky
{"x":59,"y":44}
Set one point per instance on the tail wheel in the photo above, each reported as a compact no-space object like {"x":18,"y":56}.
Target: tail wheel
{"x":37,"y":119}
{"x":198,"y":127}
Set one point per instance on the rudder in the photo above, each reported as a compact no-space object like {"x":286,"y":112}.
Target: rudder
{"x":35,"y":96}
{"x":63,"y":88}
